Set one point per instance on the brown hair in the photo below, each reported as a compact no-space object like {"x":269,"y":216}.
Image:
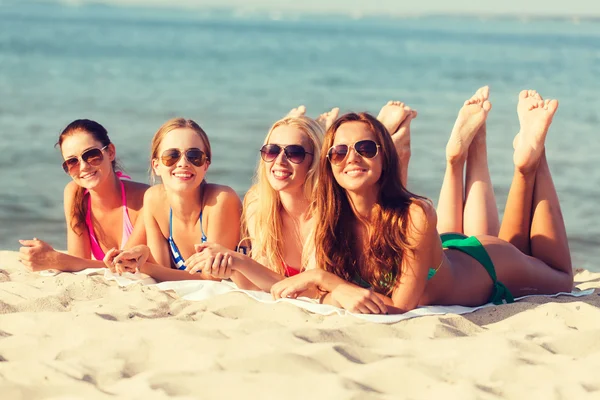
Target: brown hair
{"x":336,"y":247}
{"x":99,"y":133}
{"x":170,"y":125}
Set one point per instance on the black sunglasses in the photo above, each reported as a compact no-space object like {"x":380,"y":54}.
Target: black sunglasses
{"x":194,"y":155}
{"x":364,"y":148}
{"x":293,"y":152}
{"x":94,"y":157}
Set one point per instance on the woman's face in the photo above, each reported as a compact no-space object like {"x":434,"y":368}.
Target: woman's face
{"x":87,"y":161}
{"x":287,"y":174}
{"x":179,"y":159}
{"x":356,"y":173}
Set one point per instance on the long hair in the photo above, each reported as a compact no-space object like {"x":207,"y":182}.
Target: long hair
{"x":337,"y":250}
{"x":171,"y":125}
{"x":262,"y":222}
{"x":99,"y":133}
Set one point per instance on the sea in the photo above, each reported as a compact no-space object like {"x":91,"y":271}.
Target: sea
{"x":235,"y":73}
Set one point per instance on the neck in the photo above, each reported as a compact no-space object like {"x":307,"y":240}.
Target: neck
{"x":363,"y":202}
{"x":107,"y":195}
{"x":294,"y":204}
{"x":186,"y":205}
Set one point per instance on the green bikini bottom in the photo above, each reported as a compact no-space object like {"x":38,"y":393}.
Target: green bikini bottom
{"x":473,"y":247}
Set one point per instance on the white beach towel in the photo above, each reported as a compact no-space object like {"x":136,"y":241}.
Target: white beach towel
{"x":202,"y":290}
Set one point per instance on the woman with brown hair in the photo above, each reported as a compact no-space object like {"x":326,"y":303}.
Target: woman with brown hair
{"x":101,"y":208}
{"x":377,"y":246}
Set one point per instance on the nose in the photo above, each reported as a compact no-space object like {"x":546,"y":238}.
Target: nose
{"x":183,"y":161}
{"x":352,"y":156}
{"x":281,"y":157}
{"x":83,"y":165}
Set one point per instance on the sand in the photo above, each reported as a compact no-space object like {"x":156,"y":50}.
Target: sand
{"x":75,"y":336}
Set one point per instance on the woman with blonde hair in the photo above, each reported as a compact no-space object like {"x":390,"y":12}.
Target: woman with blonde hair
{"x":278,"y":208}
{"x":184,"y":210}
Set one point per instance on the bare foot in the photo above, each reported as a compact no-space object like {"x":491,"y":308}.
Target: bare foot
{"x":535,"y":117}
{"x":327,"y":118}
{"x":392,"y":114}
{"x":297,"y":112}
{"x":401,"y":137}
{"x":470,"y":119}
{"x":529,"y":97}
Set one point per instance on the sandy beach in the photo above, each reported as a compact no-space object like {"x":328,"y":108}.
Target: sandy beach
{"x":77,"y":336}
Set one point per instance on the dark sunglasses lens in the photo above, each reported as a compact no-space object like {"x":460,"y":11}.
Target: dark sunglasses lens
{"x":337,"y":153}
{"x":366,"y":148}
{"x":93,"y":157}
{"x":196,"y":157}
{"x":170,"y":157}
{"x":69,"y":164}
{"x":295,"y":153}
{"x":269,"y":152}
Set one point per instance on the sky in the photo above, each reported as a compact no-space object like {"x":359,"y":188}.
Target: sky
{"x":388,"y":7}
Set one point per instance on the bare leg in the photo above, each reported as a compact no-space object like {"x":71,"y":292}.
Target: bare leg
{"x":328,"y":118}
{"x":518,"y":211}
{"x":547,"y":233}
{"x":480,"y":216}
{"x":470,"y":119}
{"x":396,"y":117}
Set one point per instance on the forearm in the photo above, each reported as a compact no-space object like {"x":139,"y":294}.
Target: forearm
{"x":162,"y":274}
{"x":256,"y":274}
{"x":68,"y":263}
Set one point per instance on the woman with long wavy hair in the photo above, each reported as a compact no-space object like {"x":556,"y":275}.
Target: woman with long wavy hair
{"x":377,"y":246}
{"x":279,"y":207}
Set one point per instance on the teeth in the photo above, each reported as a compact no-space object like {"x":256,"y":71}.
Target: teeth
{"x":183,"y":175}
{"x":354,"y":172}
{"x":87,"y":175}
{"x":281,"y":174}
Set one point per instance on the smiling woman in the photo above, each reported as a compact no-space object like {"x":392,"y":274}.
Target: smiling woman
{"x":100,"y":208}
{"x":184,"y":210}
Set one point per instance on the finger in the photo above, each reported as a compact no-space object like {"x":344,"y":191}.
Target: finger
{"x":276,"y":290}
{"x":289,"y":292}
{"x":29,"y":243}
{"x":372,"y":306}
{"x":202,"y":246}
{"x":25,"y":250}
{"x":380,"y":304}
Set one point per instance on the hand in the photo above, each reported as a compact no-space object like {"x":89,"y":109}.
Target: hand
{"x":217,"y":264}
{"x":37,"y":255}
{"x":296,"y":285}
{"x":109,"y":259}
{"x":128,"y":260}
{"x":358,"y":300}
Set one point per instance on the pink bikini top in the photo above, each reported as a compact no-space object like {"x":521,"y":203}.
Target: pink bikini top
{"x":97,"y":252}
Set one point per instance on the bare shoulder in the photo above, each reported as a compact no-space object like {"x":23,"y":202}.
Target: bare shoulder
{"x":250,"y":197}
{"x":135,"y":193}
{"x":70,"y":190}
{"x":221,"y":194}
{"x":422,"y":218}
{"x":154,"y":196}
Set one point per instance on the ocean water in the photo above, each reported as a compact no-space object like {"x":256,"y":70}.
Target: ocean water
{"x":131,"y":69}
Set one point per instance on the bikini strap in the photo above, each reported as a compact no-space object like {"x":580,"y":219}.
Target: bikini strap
{"x":170,"y":222}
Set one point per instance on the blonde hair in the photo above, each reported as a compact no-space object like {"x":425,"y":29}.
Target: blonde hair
{"x":261,"y":217}
{"x":171,"y":125}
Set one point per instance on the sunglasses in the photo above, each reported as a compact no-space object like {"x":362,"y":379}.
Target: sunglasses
{"x":94,"y":157}
{"x":364,"y":148}
{"x":194,"y":155}
{"x":293,"y":152}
